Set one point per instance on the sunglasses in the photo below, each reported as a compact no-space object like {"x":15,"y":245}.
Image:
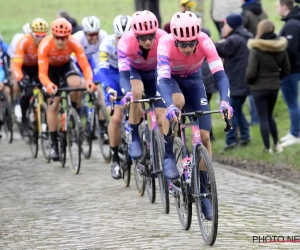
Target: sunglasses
{"x":187,"y":44}
{"x":144,"y":38}
{"x":92,"y":34}
{"x":61,"y":38}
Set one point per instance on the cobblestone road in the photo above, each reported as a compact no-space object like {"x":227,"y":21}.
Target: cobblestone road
{"x":43,"y":206}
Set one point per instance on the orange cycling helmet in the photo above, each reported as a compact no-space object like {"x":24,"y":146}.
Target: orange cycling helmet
{"x":61,"y":27}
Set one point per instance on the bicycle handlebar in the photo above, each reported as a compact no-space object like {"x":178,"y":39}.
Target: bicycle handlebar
{"x":67,"y":89}
{"x":199,"y":114}
{"x":151,"y":99}
{"x":119,"y":98}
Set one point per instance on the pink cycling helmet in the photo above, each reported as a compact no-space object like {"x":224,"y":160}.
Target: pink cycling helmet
{"x":144,"y":22}
{"x":185,"y":27}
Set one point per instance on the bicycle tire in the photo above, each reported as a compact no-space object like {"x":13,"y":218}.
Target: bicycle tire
{"x":158,"y":155}
{"x":126,"y":174}
{"x":202,"y":153}
{"x":8,"y":122}
{"x":62,"y":148}
{"x":149,"y":179}
{"x":73,"y":122}
{"x":139,"y":178}
{"x":32,"y":131}
{"x":182,"y":199}
{"x":45,"y":137}
{"x":86,"y":137}
{"x":105,"y":153}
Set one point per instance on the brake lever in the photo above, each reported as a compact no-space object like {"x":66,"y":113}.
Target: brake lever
{"x":227,"y":121}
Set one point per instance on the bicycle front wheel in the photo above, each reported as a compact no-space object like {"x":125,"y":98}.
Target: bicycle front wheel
{"x":32,"y":131}
{"x":205,"y":195}
{"x":102,"y":134}
{"x":86,"y":137}
{"x":182,"y":199}
{"x":8,"y":122}
{"x":158,"y":155}
{"x":45,"y":137}
{"x":73,"y":140}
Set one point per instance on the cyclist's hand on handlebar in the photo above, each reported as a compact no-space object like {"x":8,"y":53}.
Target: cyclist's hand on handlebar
{"x":124,"y":99}
{"x":173,"y":113}
{"x":111,"y":95}
{"x":90,"y":87}
{"x":24,"y":81}
{"x":226,"y":106}
{"x":51,"y":89}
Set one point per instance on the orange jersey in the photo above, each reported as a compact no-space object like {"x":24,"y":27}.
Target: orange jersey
{"x":48,"y":54}
{"x":26,"y":54}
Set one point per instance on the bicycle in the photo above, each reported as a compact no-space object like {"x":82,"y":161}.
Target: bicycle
{"x":6,"y":114}
{"x":37,"y":122}
{"x":189,"y":188}
{"x":149,"y":166}
{"x":92,"y":125}
{"x":70,"y":129}
{"x":125,"y":159}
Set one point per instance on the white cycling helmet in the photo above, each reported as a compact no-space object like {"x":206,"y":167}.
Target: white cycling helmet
{"x":26,"y":28}
{"x":121,"y":25}
{"x":90,"y":24}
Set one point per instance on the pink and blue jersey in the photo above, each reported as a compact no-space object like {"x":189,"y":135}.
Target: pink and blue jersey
{"x":172,"y":62}
{"x":129,"y":53}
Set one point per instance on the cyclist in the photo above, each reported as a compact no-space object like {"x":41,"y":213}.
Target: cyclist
{"x":109,"y":77}
{"x":25,"y":65}
{"x":54,"y":63}
{"x":137,"y":55}
{"x":180,"y":55}
{"x":90,"y":38}
{"x":2,"y":86}
{"x":11,"y":52}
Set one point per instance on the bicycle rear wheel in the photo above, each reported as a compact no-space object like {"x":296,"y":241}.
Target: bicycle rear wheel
{"x":8,"y":122}
{"x":104,"y":148}
{"x":45,"y":138}
{"x":62,"y":148}
{"x":182,"y":201}
{"x":209,"y":235}
{"x":73,"y":140}
{"x":158,"y":154}
{"x":32,"y":130}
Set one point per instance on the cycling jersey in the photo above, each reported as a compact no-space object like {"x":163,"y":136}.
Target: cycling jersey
{"x":139,"y":64}
{"x":178,"y":73}
{"x":130,"y":54}
{"x":13,"y":45}
{"x":26,"y":54}
{"x":2,"y":71}
{"x":91,"y":50}
{"x":108,"y":66}
{"x":49,"y":55}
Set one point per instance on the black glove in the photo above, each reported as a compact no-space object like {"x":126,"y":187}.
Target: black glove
{"x":24,"y":82}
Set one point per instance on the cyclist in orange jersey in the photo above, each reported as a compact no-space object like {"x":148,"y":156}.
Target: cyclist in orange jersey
{"x":25,"y":65}
{"x":55,"y":63}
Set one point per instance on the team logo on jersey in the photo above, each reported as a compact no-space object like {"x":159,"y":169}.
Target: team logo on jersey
{"x":203,"y":101}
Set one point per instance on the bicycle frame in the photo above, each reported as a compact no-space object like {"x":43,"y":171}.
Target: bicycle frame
{"x":39,"y":100}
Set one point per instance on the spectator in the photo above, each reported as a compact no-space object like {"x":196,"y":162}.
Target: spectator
{"x":185,"y":5}
{"x":151,"y":5}
{"x":253,"y":14}
{"x":289,"y":84}
{"x":233,"y":48}
{"x":268,"y":62}
{"x":208,"y":79}
{"x":220,"y":9}
{"x":75,"y":26}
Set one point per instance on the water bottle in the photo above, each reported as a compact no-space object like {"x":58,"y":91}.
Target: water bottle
{"x":18,"y":113}
{"x":128,"y":137}
{"x":63,"y":122}
{"x":90,"y":118}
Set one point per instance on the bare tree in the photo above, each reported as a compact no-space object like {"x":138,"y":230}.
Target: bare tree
{"x":152,"y":5}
